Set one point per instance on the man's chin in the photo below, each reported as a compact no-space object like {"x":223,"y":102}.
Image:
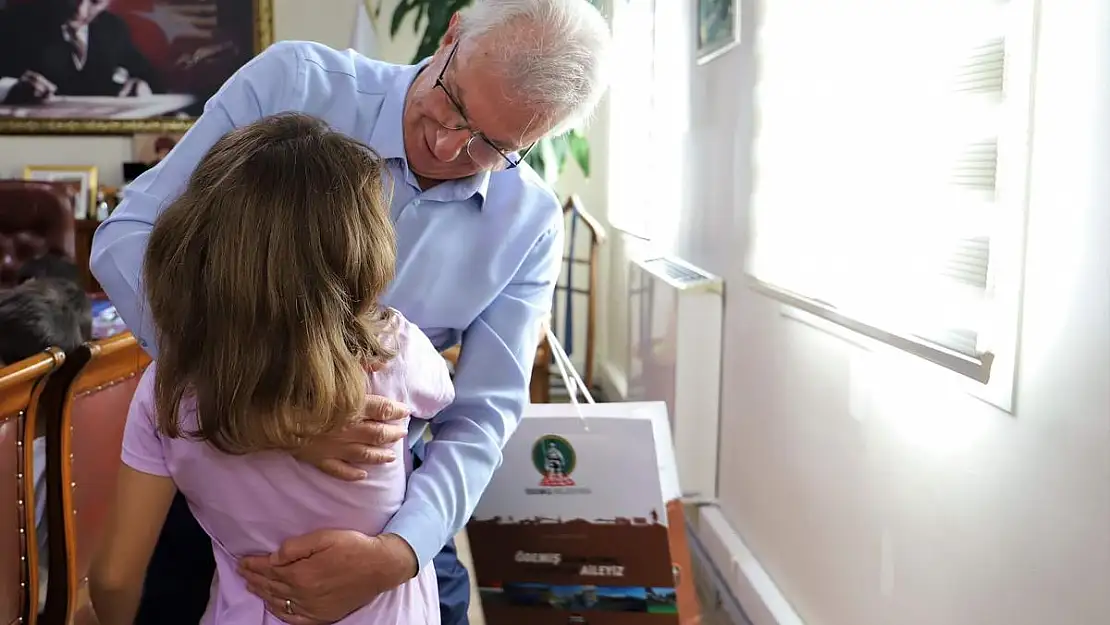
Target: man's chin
{"x":442,"y":172}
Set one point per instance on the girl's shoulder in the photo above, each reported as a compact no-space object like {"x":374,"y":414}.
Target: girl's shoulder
{"x":418,"y":374}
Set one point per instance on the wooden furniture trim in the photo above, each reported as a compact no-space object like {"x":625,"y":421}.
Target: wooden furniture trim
{"x":21,"y":386}
{"x":598,"y":236}
{"x":94,"y":366}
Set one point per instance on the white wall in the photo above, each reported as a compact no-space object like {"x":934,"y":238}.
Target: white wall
{"x":876,"y":500}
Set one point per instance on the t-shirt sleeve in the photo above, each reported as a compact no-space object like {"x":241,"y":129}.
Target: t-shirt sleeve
{"x":142,"y":445}
{"x":426,"y":380}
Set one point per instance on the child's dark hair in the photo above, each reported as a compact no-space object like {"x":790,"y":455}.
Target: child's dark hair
{"x":49,"y":266}
{"x":42,"y":313}
{"x":263,"y":280}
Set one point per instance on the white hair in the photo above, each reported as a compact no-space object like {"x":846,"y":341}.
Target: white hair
{"x":554,"y":53}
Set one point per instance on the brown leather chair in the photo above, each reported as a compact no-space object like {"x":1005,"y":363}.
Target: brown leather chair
{"x":36,"y":218}
{"x":94,"y":391}
{"x":20,"y":387}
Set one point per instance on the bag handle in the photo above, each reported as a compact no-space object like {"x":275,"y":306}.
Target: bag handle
{"x":572,"y":381}
{"x":567,"y":370}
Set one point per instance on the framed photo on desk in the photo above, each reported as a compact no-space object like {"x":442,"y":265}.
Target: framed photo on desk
{"x":79,"y":181}
{"x":132,"y":66}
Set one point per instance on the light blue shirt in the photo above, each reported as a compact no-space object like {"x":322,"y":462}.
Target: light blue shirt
{"x":477,"y":260}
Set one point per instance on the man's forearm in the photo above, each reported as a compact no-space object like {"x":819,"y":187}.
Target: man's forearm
{"x":491,"y":390}
{"x":457,"y":466}
{"x":116,"y":261}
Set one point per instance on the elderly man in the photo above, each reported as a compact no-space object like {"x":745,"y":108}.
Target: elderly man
{"x":479,"y":241}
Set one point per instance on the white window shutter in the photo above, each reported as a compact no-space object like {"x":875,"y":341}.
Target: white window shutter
{"x":876,"y":163}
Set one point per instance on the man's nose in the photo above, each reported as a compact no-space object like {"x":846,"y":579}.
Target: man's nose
{"x":450,"y":143}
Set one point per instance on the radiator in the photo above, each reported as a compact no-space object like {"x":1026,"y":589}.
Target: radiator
{"x":675,"y":339}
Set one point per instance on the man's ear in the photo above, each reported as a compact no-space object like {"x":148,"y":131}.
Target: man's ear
{"x":452,"y":34}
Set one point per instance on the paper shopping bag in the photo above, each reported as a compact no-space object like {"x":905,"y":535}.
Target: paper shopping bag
{"x":582,"y":522}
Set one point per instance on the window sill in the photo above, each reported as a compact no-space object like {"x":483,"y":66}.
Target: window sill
{"x":978,"y":369}
{"x":985,"y":379}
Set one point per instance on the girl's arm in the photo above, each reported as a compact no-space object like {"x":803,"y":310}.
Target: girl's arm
{"x":116,"y":577}
{"x":144,"y":493}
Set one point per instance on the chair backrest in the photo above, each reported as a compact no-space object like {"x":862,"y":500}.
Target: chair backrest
{"x":21,"y":384}
{"x":36,"y":218}
{"x":580,"y":224}
{"x":83,"y":459}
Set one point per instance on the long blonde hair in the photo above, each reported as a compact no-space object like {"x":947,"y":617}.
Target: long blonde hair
{"x":263,"y":281}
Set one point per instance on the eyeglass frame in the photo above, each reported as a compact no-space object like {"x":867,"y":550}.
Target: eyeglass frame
{"x":474,"y":134}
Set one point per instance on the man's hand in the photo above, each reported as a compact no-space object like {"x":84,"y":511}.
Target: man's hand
{"x":32,"y":88}
{"x":328,"y":574}
{"x":365,"y":442}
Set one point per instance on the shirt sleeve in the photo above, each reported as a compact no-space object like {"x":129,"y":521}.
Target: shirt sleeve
{"x":427,"y":381}
{"x":142,"y":445}
{"x":270,"y":83}
{"x":491,"y":390}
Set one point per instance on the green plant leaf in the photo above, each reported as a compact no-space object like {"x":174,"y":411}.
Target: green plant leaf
{"x":399,"y":13}
{"x":545,"y":161}
{"x":561,"y":148}
{"x":439,"y":14}
{"x":439,"y":17}
{"x":579,"y":147}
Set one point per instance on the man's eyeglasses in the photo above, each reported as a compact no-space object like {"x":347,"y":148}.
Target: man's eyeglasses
{"x":479,"y":148}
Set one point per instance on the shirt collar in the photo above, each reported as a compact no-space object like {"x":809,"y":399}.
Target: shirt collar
{"x":388,"y":138}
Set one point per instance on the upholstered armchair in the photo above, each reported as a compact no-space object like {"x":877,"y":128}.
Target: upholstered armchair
{"x":36,"y":218}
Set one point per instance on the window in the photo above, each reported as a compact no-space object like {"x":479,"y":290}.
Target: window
{"x":632,"y":104}
{"x":890,"y":170}
{"x":648,"y":85}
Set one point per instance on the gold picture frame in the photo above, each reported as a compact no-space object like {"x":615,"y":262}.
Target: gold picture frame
{"x":263,"y":36}
{"x":84,"y":196}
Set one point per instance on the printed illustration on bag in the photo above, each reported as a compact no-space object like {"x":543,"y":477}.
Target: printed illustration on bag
{"x":554,"y":457}
{"x":585,"y":525}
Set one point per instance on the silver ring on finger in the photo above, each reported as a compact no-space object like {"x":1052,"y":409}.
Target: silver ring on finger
{"x":289,"y":606}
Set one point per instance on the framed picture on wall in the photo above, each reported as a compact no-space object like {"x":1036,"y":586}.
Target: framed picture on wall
{"x":718,"y":28}
{"x":121,"y":66}
{"x":79,"y":180}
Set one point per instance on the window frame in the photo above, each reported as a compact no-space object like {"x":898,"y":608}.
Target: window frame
{"x":991,"y":377}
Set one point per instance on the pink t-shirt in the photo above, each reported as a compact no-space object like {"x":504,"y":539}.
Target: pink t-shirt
{"x":250,"y":504}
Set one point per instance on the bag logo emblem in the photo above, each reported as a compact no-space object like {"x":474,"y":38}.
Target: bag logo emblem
{"x":554,"y":458}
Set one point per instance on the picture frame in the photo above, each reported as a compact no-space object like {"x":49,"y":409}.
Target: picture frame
{"x":718,"y":28}
{"x":169,"y":57}
{"x":81,"y":181}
